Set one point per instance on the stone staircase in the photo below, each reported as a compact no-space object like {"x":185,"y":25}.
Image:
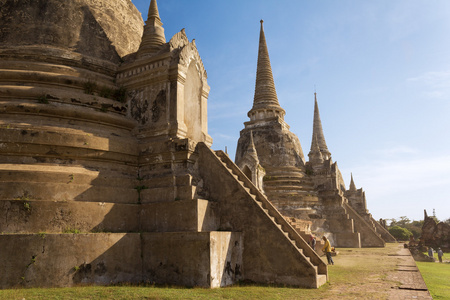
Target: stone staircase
{"x":277,"y":219}
{"x":306,"y":235}
{"x":370,"y":237}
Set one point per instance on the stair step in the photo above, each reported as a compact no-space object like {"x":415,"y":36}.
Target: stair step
{"x":321,"y":279}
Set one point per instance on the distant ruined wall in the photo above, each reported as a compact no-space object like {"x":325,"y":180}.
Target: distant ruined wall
{"x":435,"y":234}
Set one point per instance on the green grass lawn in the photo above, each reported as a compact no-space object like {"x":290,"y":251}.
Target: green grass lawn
{"x":150,"y":292}
{"x":437,"y":277}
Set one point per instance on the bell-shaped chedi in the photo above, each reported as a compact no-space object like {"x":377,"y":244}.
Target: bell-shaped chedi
{"x":276,"y":146}
{"x":277,"y":149}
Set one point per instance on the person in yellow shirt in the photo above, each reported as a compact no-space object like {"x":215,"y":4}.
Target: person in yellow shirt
{"x":327,"y":249}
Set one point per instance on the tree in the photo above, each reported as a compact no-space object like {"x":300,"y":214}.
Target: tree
{"x":415,"y":227}
{"x":401,"y":234}
{"x":404,"y":221}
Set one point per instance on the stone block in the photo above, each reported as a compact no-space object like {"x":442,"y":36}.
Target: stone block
{"x":207,"y":259}
{"x":27,"y":216}
{"x":185,"y":215}
{"x":347,"y":240}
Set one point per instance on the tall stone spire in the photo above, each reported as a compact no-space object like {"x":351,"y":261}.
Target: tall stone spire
{"x":251,"y":150}
{"x":153,"y":37}
{"x":352,"y":184}
{"x":265,"y":103}
{"x":318,"y":132}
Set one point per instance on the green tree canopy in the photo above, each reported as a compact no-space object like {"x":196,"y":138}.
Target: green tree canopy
{"x":401,"y":234}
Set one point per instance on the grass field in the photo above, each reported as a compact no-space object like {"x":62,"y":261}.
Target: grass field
{"x":149,"y":292}
{"x":357,"y":274}
{"x":437,"y":278}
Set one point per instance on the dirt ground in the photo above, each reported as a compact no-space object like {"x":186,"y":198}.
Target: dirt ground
{"x":376,"y":273}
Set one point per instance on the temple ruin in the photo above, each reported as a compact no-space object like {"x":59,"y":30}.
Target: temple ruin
{"x":106,"y":171}
{"x":435,"y":234}
{"x":311,"y":195}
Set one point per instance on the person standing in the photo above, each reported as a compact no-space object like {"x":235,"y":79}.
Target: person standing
{"x":312,"y":241}
{"x":327,"y":249}
{"x":430,"y":252}
{"x":440,"y":254}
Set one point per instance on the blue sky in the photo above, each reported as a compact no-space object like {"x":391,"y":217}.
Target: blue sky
{"x":381,"y":70}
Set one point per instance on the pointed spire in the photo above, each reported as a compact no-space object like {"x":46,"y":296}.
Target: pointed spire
{"x":265,"y":94}
{"x":318,"y":131}
{"x":153,"y":11}
{"x":153,"y":37}
{"x":352,"y":184}
{"x":251,"y":147}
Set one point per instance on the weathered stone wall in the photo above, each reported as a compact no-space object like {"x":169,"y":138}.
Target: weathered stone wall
{"x":25,"y":216}
{"x":275,"y":144}
{"x":206,"y":259}
{"x":183,"y":215}
{"x":105,"y":29}
{"x":48,"y":260}
{"x":58,"y":60}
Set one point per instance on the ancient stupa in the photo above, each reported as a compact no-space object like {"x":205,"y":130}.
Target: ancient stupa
{"x":310,"y":194}
{"x":106,"y":171}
